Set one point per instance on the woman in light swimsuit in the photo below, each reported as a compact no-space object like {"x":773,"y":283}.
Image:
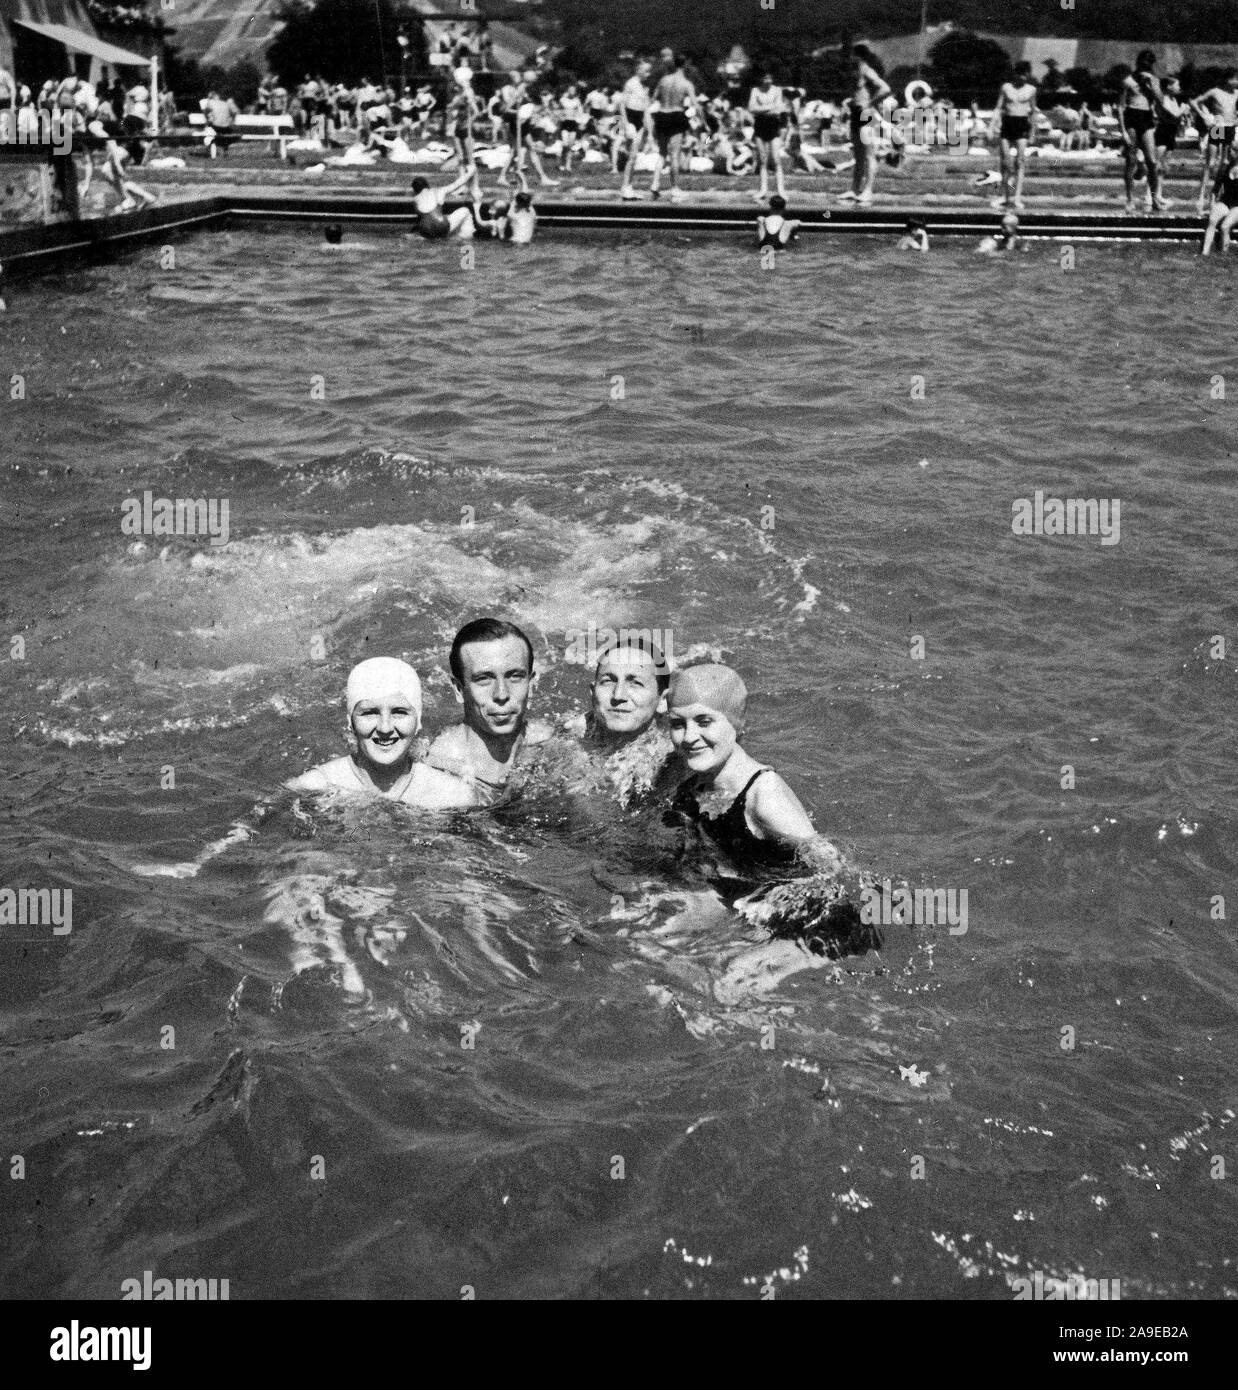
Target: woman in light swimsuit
{"x":1015,"y":116}
{"x":1137,"y":111}
{"x":768,"y":113}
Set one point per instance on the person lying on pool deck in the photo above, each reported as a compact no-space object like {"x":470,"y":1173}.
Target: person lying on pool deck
{"x":383,"y":702}
{"x":744,"y":816}
{"x":492,"y":670}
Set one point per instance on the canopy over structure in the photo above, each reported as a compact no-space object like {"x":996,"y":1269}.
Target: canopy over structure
{"x":69,"y":13}
{"x":86,"y":43}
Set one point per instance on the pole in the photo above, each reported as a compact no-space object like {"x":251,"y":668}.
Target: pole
{"x":923,"y":27}
{"x":153,"y":122}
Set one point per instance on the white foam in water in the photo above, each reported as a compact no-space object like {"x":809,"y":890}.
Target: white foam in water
{"x":178,"y":639}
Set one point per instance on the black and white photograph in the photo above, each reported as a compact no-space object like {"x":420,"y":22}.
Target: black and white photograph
{"x":619,"y":646}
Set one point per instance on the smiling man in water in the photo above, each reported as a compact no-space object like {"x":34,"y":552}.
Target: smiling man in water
{"x":492,"y":670}
{"x":628,"y":692}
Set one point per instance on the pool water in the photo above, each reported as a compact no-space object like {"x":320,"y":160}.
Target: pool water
{"x":411,"y":1054}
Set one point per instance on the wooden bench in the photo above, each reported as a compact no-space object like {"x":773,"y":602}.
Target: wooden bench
{"x":279,"y":129}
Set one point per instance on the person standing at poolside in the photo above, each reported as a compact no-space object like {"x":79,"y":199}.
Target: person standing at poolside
{"x":508,"y":100}
{"x":768,"y":110}
{"x":8,"y":105}
{"x":1137,"y":110}
{"x":572,"y":123}
{"x":673,"y":98}
{"x":1168,"y":128}
{"x":1015,"y":119}
{"x":635,"y":100}
{"x":869,"y":91}
{"x":462,"y":110}
{"x":1217,"y":108}
{"x":492,"y":670}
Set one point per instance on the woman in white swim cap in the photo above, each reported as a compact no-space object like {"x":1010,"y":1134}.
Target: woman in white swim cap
{"x":384,"y":717}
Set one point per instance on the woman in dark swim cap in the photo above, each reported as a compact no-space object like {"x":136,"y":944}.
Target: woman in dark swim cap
{"x":744,"y":810}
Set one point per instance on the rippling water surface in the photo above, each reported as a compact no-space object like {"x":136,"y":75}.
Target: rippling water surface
{"x":652,"y":433}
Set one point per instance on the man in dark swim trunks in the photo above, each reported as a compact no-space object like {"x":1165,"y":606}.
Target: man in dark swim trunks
{"x":492,"y":670}
{"x":672,"y":99}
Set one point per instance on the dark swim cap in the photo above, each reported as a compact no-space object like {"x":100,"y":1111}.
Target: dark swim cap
{"x":334,"y":233}
{"x":716,"y":687}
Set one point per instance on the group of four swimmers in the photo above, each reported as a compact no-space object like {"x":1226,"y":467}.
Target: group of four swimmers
{"x":691,"y":721}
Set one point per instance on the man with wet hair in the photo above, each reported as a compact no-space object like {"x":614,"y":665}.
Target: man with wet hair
{"x":625,"y":746}
{"x":628,"y":690}
{"x":492,"y":670}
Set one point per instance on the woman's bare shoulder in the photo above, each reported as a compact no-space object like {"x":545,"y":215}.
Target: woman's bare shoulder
{"x":325,"y":777}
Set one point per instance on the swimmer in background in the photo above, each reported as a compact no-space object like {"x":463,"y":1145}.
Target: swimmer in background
{"x":383,"y":703}
{"x":774,"y":228}
{"x":1015,"y":118}
{"x":1223,"y":214}
{"x":432,"y":222}
{"x":521,"y":220}
{"x":490,"y":219}
{"x":1006,"y":240}
{"x":492,"y":670}
{"x":915,"y":235}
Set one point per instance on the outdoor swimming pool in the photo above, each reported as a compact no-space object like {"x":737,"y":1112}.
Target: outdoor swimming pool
{"x":656,"y":433}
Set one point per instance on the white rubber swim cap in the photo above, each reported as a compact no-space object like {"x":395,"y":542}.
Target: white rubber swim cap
{"x":380,"y":678}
